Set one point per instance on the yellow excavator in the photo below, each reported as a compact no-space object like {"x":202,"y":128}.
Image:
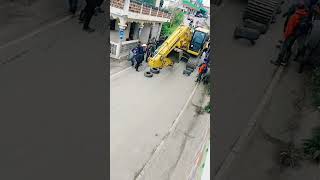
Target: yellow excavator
{"x":183,"y":39}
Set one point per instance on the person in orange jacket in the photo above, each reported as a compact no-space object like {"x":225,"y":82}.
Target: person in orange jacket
{"x":203,"y":67}
{"x":295,"y":28}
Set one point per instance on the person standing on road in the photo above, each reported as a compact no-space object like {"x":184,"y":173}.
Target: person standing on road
{"x":132,"y":55}
{"x":139,"y":57}
{"x":201,"y":71}
{"x":86,"y":15}
{"x":149,"y":51}
{"x":73,"y":5}
{"x":291,"y":33}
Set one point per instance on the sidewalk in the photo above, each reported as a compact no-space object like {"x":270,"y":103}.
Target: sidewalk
{"x":288,"y":116}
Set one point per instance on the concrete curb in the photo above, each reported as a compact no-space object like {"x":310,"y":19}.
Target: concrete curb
{"x":245,"y":135}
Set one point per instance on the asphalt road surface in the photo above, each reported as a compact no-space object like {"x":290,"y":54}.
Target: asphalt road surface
{"x":142,"y":110}
{"x":240,"y":78}
{"x":52,"y":90}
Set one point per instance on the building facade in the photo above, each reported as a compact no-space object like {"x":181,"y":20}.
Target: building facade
{"x":132,"y":21}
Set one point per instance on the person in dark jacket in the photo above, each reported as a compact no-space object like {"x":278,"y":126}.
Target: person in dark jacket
{"x":150,"y":50}
{"x":73,"y":5}
{"x":139,"y":60}
{"x":139,"y":57}
{"x":86,"y":15}
{"x":291,"y":34}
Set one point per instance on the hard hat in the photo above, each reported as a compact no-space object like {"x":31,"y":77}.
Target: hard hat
{"x":144,"y":45}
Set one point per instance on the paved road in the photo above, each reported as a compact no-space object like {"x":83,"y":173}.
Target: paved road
{"x":241,"y":75}
{"x":142,"y":111}
{"x":52,"y":105}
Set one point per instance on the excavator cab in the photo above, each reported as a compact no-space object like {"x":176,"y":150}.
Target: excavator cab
{"x":199,"y":38}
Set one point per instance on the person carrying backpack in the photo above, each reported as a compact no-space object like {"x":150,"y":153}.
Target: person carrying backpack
{"x":203,"y":67}
{"x":297,"y":25}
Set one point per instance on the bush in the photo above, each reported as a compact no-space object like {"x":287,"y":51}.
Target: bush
{"x":316,"y":86}
{"x":169,"y":27}
{"x":290,"y":156}
{"x":312,"y":146}
{"x":207,"y":108}
{"x":150,"y":2}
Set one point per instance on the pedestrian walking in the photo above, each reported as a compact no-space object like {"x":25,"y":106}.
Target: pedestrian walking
{"x":73,"y":5}
{"x":201,"y":71}
{"x":296,"y":26}
{"x":132,"y":55}
{"x":86,"y":15}
{"x":139,"y":60}
{"x":139,"y":57}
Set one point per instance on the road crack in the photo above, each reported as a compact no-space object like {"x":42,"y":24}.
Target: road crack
{"x":14,"y":58}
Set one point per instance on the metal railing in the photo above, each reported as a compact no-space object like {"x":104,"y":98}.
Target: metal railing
{"x":139,"y":7}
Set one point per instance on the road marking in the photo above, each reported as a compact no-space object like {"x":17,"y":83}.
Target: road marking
{"x":173,"y":127}
{"x":33,"y":33}
{"x":120,"y":72}
{"x":244,"y":137}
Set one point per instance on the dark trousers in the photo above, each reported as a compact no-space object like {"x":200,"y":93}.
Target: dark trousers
{"x":199,"y":78}
{"x":88,"y":12}
{"x":285,"y":52}
{"x":138,"y":65}
{"x":132,"y":61}
{"x":73,"y":4}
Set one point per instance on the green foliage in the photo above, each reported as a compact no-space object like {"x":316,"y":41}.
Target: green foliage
{"x":290,"y":156}
{"x":316,"y":86}
{"x":311,"y":146}
{"x":207,"y":108}
{"x":169,"y":27}
{"x":150,"y":2}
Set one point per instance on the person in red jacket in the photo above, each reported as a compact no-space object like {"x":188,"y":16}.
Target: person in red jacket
{"x":203,"y":67}
{"x":292,"y":31}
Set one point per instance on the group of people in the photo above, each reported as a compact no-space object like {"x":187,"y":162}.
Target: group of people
{"x":299,"y":19}
{"x":93,"y":7}
{"x":141,"y":53}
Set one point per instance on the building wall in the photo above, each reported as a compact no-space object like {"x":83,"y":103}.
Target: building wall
{"x":114,"y":34}
{"x":155,"y":30}
{"x":157,"y":3}
{"x":144,"y":37}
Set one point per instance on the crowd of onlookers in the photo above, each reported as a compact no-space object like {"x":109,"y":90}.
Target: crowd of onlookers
{"x":143,"y":51}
